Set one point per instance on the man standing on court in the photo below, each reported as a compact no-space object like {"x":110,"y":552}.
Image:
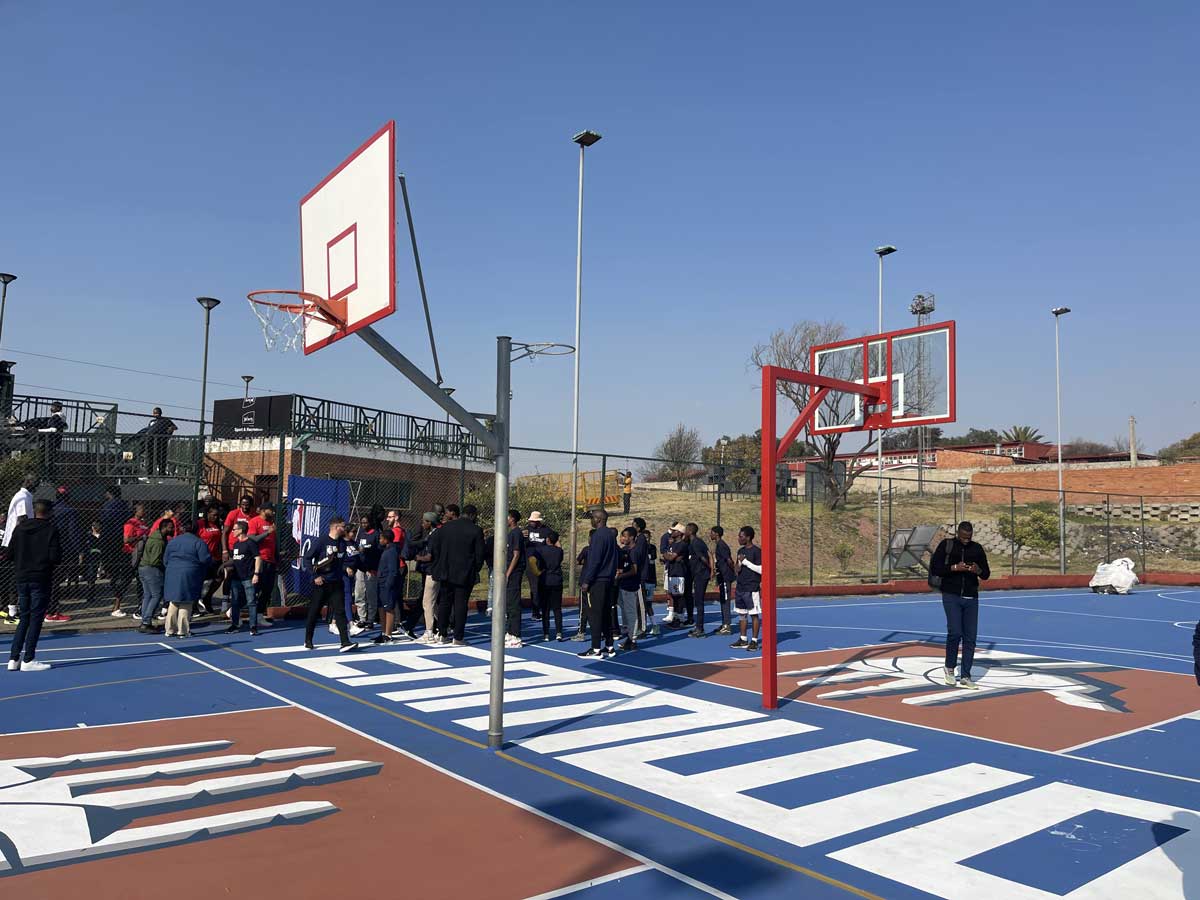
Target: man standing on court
{"x":722,"y":566}
{"x":598,"y":577}
{"x":20,"y":508}
{"x":514,"y":572}
{"x":536,"y":538}
{"x":459,"y":559}
{"x":327,"y":560}
{"x":35,"y":550}
{"x":960,"y":563}
{"x":700,"y":566}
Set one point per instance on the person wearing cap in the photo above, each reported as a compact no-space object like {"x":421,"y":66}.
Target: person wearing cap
{"x":536,"y":534}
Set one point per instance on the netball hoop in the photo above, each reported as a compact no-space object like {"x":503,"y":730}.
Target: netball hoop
{"x":284,"y":316}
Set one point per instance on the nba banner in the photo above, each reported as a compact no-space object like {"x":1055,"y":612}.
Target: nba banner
{"x":312,"y":502}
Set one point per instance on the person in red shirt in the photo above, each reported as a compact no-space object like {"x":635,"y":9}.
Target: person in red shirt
{"x":261,"y":530}
{"x":133,"y":533}
{"x":244,"y":513}
{"x":210,"y":532}
{"x":392,"y":521}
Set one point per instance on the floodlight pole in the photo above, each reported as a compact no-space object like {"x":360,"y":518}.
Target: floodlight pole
{"x":5,"y":278}
{"x":1059,"y":312}
{"x":209,"y":304}
{"x":500,"y":541}
{"x":584,"y":139}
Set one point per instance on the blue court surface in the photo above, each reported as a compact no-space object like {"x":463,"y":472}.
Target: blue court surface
{"x":1071,"y":773}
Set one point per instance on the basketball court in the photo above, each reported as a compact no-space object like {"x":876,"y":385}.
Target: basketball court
{"x":1071,"y":773}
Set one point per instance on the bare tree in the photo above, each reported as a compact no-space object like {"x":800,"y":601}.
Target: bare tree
{"x":679,"y":453}
{"x":791,"y":348}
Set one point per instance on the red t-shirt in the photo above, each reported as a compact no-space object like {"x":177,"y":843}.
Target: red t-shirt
{"x":266,"y":547}
{"x":211,"y":535}
{"x":398,"y":540}
{"x":235,"y":515}
{"x":134,"y":530}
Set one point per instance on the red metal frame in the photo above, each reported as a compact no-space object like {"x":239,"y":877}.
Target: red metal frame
{"x":883,"y":420}
{"x":390,"y":130}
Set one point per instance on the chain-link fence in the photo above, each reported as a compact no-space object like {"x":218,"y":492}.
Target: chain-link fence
{"x":99,"y":465}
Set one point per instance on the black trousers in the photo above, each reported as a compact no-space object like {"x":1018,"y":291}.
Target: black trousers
{"x":452,"y":609}
{"x":601,"y":600}
{"x":551,"y":604}
{"x":512,"y":602}
{"x":723,"y":589}
{"x":1196,"y":651}
{"x":333,"y":595}
{"x":535,"y":593}
{"x":962,"y":625}
{"x":625,"y":499}
{"x":266,"y":587}
{"x":689,"y":601}
{"x":699,"y":586}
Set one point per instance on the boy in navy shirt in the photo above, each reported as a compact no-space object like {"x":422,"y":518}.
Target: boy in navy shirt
{"x":676,"y":558}
{"x":366,"y":582}
{"x":748,"y":567}
{"x":629,"y":586}
{"x":327,"y":560}
{"x":390,"y":583}
{"x":700,"y":567}
{"x":349,"y":579}
{"x":598,"y":579}
{"x":551,"y":556}
{"x":722,"y":567}
{"x":243,"y":588}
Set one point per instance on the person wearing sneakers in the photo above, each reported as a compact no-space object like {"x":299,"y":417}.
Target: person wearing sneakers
{"x":262,"y":531}
{"x":422,"y":554}
{"x":552,"y":586}
{"x":20,"y":508}
{"x":700,"y":566}
{"x":186,"y":562}
{"x":247,"y":573}
{"x":389,"y":584}
{"x":648,"y":553}
{"x":327,"y":560}
{"x":598,"y":579}
{"x":535,"y":537}
{"x":722,"y":568}
{"x":746,"y":599}
{"x":959,"y":564}
{"x":629,"y":586}
{"x":676,"y":558}
{"x":35,"y":549}
{"x":513,"y":575}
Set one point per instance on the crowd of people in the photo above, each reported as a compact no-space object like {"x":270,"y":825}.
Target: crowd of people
{"x":225,"y":562}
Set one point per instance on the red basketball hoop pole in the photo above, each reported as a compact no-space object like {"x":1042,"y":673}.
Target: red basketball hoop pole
{"x":771,"y":453}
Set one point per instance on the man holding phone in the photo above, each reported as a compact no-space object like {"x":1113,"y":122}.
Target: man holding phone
{"x":960,"y":564}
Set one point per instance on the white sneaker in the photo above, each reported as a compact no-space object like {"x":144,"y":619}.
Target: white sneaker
{"x":333,"y":628}
{"x":948,"y":674}
{"x":12,"y":611}
{"x":118,"y":614}
{"x":356,"y":630}
{"x":33,"y":665}
{"x":967,"y":684}
{"x":137,"y":617}
{"x":14,"y":665}
{"x":266,"y":622}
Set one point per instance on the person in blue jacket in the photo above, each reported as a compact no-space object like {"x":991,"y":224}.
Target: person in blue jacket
{"x":187,"y":562}
{"x":389,"y":583}
{"x":599,"y":579}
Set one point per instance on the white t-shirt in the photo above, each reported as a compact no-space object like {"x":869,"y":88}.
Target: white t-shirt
{"x":20,"y":505}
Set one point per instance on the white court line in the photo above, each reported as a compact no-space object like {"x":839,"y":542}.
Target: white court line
{"x":227,"y":712}
{"x":984,"y":606}
{"x":582,"y":885}
{"x":135,"y":645}
{"x":1194,"y":714}
{"x":692,"y":882}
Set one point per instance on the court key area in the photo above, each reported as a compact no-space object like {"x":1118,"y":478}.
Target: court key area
{"x":222,"y":763}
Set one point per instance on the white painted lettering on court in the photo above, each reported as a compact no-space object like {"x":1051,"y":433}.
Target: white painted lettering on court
{"x":928,"y":857}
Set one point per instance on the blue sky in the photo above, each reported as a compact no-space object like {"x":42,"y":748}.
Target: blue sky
{"x":1021,"y":155}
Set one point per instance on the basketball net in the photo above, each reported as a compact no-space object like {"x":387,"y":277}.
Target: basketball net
{"x":282,"y":316}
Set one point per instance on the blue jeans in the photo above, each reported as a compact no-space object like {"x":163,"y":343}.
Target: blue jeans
{"x":242,"y":593}
{"x":33,"y":597}
{"x":962,"y":625}
{"x":152,"y":579}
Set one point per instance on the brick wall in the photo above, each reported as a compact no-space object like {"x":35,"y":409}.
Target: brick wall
{"x":965,"y":459}
{"x":1165,"y":483}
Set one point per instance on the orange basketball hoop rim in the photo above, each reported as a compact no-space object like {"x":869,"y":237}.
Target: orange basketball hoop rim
{"x":283,"y":315}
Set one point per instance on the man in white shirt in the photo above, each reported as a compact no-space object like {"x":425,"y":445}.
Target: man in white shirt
{"x":19,"y":509}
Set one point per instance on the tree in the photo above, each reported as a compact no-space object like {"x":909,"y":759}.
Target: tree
{"x":1086,"y":447}
{"x":974,"y":437}
{"x":906,"y":438}
{"x":679,"y":455}
{"x":1038,"y":530}
{"x":1023,"y":434}
{"x":1181,"y":449}
{"x":791,"y":348}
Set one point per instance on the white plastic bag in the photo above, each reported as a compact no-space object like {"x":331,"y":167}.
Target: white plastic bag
{"x":1116,"y":577}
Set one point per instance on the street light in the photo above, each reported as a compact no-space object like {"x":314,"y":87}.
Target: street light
{"x":922,"y":306}
{"x":1058,"y":312}
{"x":881,"y":252}
{"x":584,"y":139}
{"x":5,"y":278}
{"x":209,"y":304}
{"x":247,"y":379}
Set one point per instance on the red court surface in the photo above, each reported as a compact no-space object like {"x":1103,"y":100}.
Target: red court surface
{"x":396,"y":825}
{"x":1033,"y":701}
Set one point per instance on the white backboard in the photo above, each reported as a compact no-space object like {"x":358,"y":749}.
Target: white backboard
{"x":348,"y":239}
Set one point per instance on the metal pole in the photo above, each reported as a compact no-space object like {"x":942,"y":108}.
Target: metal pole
{"x":1108,"y":528}
{"x":575,"y":405}
{"x":1012,"y":528}
{"x":718,"y":503}
{"x":462,"y":476}
{"x":878,"y":457}
{"x":770,"y":662}
{"x":603,"y":480}
{"x":199,"y":459}
{"x":812,"y":520}
{"x":1062,"y":501}
{"x":3,"y":305}
{"x":1142,"y":529}
{"x":500,"y":553}
{"x":891,"y":501}
{"x":412,"y":233}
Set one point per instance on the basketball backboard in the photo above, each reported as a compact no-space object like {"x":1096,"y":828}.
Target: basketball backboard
{"x":914,"y":369}
{"x":348,"y":239}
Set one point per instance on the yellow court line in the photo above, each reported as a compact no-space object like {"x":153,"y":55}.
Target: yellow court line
{"x":671,"y":820}
{"x":81,"y":687}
